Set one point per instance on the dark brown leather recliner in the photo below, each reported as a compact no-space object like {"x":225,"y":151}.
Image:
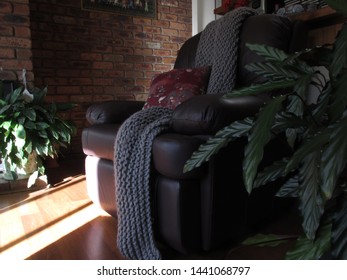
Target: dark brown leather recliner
{"x":209,"y":206}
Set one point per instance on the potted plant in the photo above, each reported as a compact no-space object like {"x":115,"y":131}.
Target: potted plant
{"x":30,"y":130}
{"x":316,"y":129}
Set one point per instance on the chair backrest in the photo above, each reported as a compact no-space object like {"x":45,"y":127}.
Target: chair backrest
{"x":268,"y":29}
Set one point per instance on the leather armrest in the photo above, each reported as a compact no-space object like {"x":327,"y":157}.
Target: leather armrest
{"x":206,"y":114}
{"x":112,"y":111}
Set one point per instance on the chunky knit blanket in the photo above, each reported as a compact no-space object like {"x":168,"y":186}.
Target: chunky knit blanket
{"x":218,"y":47}
{"x":133,"y":145}
{"x":133,"y":149}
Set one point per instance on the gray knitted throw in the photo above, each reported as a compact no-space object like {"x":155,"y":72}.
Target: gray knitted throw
{"x":133,"y":145}
{"x":133,"y":150}
{"x":218,"y":47}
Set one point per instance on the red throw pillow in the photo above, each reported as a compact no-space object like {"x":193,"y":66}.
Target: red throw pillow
{"x":171,"y":88}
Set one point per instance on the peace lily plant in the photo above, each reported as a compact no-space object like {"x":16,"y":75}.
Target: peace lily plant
{"x":316,"y":132}
{"x":30,"y":129}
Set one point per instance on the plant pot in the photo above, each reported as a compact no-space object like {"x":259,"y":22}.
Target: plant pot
{"x":12,"y":172}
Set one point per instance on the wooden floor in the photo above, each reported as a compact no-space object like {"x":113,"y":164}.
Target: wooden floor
{"x":56,"y":223}
{"x":61,"y":223}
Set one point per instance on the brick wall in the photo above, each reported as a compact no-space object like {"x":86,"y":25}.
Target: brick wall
{"x":86,"y":57}
{"x":15,"y":40}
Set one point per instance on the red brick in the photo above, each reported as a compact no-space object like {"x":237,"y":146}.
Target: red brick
{"x":6,"y":53}
{"x":169,"y":17}
{"x":91,"y":56}
{"x":134,"y":74}
{"x":6,"y":7}
{"x":171,"y":32}
{"x":22,"y":31}
{"x":24,"y":54}
{"x":178,"y":26}
{"x":68,"y":90}
{"x":6,"y":30}
{"x":15,"y":42}
{"x":103,"y":97}
{"x":162,"y":67}
{"x":162,"y":52}
{"x":103,"y":65}
{"x":14,"y":64}
{"x":21,"y":9}
{"x":152,"y":29}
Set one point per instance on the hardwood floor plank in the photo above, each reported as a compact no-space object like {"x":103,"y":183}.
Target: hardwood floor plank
{"x":57,"y":223}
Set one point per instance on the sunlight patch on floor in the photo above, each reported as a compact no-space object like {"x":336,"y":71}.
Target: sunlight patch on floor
{"x":39,"y":220}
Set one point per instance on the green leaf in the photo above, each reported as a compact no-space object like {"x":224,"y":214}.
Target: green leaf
{"x":291,"y":188}
{"x":15,"y":95}
{"x":334,"y":157}
{"x":291,"y":135}
{"x":339,"y":231}
{"x":339,"y":60}
{"x":312,"y":144}
{"x":55,"y":134}
{"x":321,"y":108}
{"x":307,"y":249}
{"x":4,"y":109}
{"x":39,"y":95}
{"x":268,"y":52}
{"x":296,"y":101}
{"x":29,"y":148}
{"x":215,"y":143}
{"x":311,"y":201}
{"x":30,"y":114}
{"x":42,"y":125}
{"x":29,"y":125}
{"x":266,"y":240}
{"x":273,"y":71}
{"x":19,"y":131}
{"x":271,"y":173}
{"x":258,"y":88}
{"x":285,"y":120}
{"x":338,"y":96}
{"x":258,"y":138}
{"x":302,"y":89}
{"x":43,"y":134}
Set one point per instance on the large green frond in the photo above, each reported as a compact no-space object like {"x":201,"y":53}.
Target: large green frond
{"x":339,"y":231}
{"x":312,"y":144}
{"x":267,"y":240}
{"x":258,"y":88}
{"x":311,"y":200}
{"x":334,"y":157}
{"x":268,"y":52}
{"x":215,"y":143}
{"x":338,"y":96}
{"x":339,"y":59}
{"x":285,"y":120}
{"x":307,"y":249}
{"x":271,"y":173}
{"x":272,"y":70}
{"x":291,"y":188}
{"x":258,"y":138}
